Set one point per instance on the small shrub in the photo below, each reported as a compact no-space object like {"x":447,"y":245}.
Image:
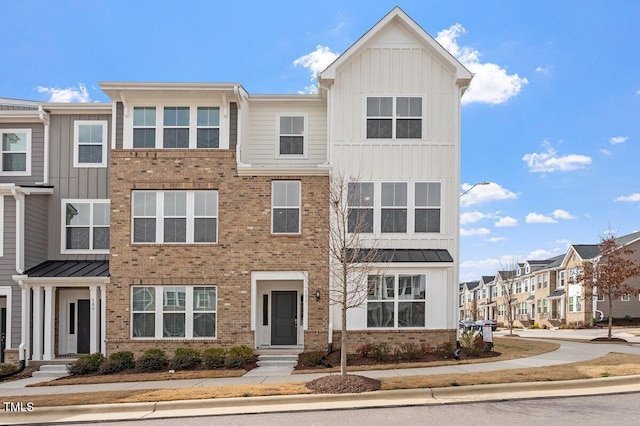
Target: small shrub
{"x":380,"y":351}
{"x":86,"y":364}
{"x":213,"y":358}
{"x":313,"y":359}
{"x":426,"y":349}
{"x":364,"y":350}
{"x":445,"y":350}
{"x":117,"y":362}
{"x":238,"y":356}
{"x":466,"y":338}
{"x":152,"y":360}
{"x":185,"y":358}
{"x":627,"y":318}
{"x":410,"y":351}
{"x":8,"y":368}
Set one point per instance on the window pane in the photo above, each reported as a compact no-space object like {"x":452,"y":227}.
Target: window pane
{"x":360,"y":194}
{"x":206,"y":203}
{"x":427,"y":220}
{"x":379,"y":128}
{"x":14,"y":142}
{"x":204,"y":325}
{"x":176,"y":116}
{"x":204,"y":230}
{"x":208,"y":138}
{"x":144,"y":138}
{"x":144,"y":299}
{"x":175,"y":203}
{"x":411,"y":287}
{"x":101,"y":213}
{"x":291,"y":145}
{"x":144,"y":325}
{"x":204,"y":298}
{"x":175,"y":230}
{"x":78,"y":214}
{"x":78,"y":238}
{"x":100,"y":238}
{"x":208,"y":116}
{"x":144,"y":116}
{"x":90,"y":133}
{"x":293,"y":194}
{"x":409,"y":107}
{"x":173,"y":325}
{"x":89,"y":154}
{"x":176,"y":138}
{"x":379,"y":107}
{"x":428,"y":194}
{"x":144,"y":230}
{"x":360,"y":221}
{"x":380,"y":314}
{"x":84,"y":133}
{"x":394,"y":220}
{"x":285,"y":221}
{"x":408,"y":129}
{"x":174,"y":299}
{"x":144,"y":203}
{"x":14,"y":162}
{"x":411,"y":314}
{"x":394,"y":194}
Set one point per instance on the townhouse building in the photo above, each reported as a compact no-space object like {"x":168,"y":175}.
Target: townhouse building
{"x":197,"y":214}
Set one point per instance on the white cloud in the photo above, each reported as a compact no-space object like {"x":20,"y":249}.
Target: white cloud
{"x":316,"y":62}
{"x":485,"y":193}
{"x":496,"y":239}
{"x":70,"y":94}
{"x":474,"y":216}
{"x":562,"y":214}
{"x":540,"y":254}
{"x":538,"y":218}
{"x":618,"y":139}
{"x":491,"y":84}
{"x":605,"y":152}
{"x":633,"y":198}
{"x":506,"y":221}
{"x":549,"y":161}
{"x":474,"y":231}
{"x":544,"y":69}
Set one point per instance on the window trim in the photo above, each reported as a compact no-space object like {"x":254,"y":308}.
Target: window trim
{"x":63,"y":224}
{"x":27,"y":171}
{"x":394,"y":117}
{"x":396,"y":300}
{"x":160,"y":217}
{"x":305,"y":135}
{"x":77,"y":143}
{"x":159,"y":311}
{"x":299,"y":206}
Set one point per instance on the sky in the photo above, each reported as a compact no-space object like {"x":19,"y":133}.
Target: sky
{"x":551,"y":120}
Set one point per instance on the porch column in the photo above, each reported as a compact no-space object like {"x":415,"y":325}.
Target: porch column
{"x":103,"y":322}
{"x":93,"y":319}
{"x":37,"y":323}
{"x":49,"y":321}
{"x":562,"y":308}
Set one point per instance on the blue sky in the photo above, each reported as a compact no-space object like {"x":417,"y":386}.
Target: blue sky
{"x":551,"y":119}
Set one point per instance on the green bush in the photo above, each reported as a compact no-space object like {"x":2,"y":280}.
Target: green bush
{"x":238,"y":356}
{"x":213,"y":358}
{"x":313,"y":359}
{"x":117,"y":362}
{"x":185,"y":358}
{"x":86,"y":364}
{"x":380,"y":351}
{"x":152,"y":360}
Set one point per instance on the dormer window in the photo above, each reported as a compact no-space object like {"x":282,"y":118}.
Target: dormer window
{"x":527,"y":269}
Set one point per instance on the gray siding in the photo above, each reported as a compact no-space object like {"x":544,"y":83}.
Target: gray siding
{"x":72,"y":182}
{"x":35,"y":232}
{"x":37,"y":154}
{"x":8,"y":267}
{"x":233,"y":126}
{"x":119,"y":125}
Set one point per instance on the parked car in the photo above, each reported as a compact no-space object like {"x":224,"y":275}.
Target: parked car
{"x":481,"y":323}
{"x":467,"y":325}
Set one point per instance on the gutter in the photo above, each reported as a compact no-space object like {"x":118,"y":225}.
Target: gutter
{"x":44,"y":118}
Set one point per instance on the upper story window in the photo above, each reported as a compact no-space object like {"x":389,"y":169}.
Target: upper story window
{"x":85,"y":227}
{"x":561,"y":279}
{"x":360,"y":205}
{"x":394,"y":207}
{"x":292,"y":135}
{"x":90,"y":144}
{"x":16,"y":152}
{"x":189,"y":217}
{"x":394,"y":117}
{"x":182,"y":127}
{"x":427,"y":202}
{"x":285,"y":207}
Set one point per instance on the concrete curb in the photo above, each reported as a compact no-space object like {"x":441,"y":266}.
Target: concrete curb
{"x":406,"y":397}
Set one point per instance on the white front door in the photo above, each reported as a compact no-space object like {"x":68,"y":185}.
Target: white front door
{"x":74,"y":330}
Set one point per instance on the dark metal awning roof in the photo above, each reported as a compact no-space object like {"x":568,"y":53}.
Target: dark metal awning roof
{"x":531,"y":298}
{"x":69,"y":269}
{"x":556,"y":294}
{"x":399,"y":255}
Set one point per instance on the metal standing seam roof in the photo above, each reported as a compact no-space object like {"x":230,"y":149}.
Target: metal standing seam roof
{"x":401,"y":255}
{"x":69,"y":269}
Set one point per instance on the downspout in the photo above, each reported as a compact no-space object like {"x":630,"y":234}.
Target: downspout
{"x":19,"y":197}
{"x":239,"y":135}
{"x":24,"y":332}
{"x":44,"y":117}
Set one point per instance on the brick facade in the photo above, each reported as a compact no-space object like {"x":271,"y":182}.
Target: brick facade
{"x":245,"y":244}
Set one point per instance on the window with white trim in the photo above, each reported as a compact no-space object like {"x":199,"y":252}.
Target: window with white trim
{"x":494,"y":291}
{"x":292,"y":135}
{"x":561,"y":279}
{"x":394,"y":118}
{"x":393,"y":214}
{"x":625,"y":298}
{"x":176,"y":312}
{"x":575,"y":304}
{"x":144,"y":127}
{"x":90,"y":143}
{"x":427,"y":207}
{"x":518,"y":287}
{"x":285,"y":207}
{"x":396,"y":301}
{"x":502,"y":310}
{"x":16,"y":152}
{"x":85,"y":226}
{"x":600,"y":297}
{"x":169,"y":217}
{"x":208,"y":127}
{"x":176,"y":127}
{"x":360,"y":207}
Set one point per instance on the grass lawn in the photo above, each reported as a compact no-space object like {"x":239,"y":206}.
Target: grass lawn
{"x":613,"y":364}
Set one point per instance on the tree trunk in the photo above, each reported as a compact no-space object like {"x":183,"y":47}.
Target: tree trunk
{"x":610,"y":317}
{"x":343,"y":343}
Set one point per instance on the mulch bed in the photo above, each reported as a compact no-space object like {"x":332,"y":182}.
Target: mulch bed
{"x":343,"y":384}
{"x":605,"y":339}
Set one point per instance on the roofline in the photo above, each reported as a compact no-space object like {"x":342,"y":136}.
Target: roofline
{"x":142,"y":86}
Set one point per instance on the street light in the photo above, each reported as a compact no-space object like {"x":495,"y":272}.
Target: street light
{"x":474,"y":185}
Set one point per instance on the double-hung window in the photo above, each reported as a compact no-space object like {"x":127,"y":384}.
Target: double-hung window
{"x":90,"y":144}
{"x":394,"y":118}
{"x":428,"y":206}
{"x":16,"y":152}
{"x":175,"y":217}
{"x":292,"y":135}
{"x":208,"y":132}
{"x":176,"y":127}
{"x":285,"y":207}
{"x":85,"y":226}
{"x":176,"y":312}
{"x":360,"y":207}
{"x":396,"y":301}
{"x":393,"y":215}
{"x":144,"y":127}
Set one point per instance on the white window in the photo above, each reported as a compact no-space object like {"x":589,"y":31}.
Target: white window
{"x":176,"y":127}
{"x":291,"y":133}
{"x":575,"y":304}
{"x":90,"y":144}
{"x":285,"y":207}
{"x":144,"y":127}
{"x":208,"y":127}
{"x":188,"y":217}
{"x":360,"y":204}
{"x":561,"y":279}
{"x":85,"y":226}
{"x":177,"y":312}
{"x":625,"y":298}
{"x":394,"y":118}
{"x":16,"y":152}
{"x":494,"y":291}
{"x":396,"y":301}
{"x":600,"y":297}
{"x":393,"y":214}
{"x":502,"y":310}
{"x":518,"y":287}
{"x":427,"y":207}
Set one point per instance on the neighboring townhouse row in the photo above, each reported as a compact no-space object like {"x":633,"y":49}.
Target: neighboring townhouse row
{"x":546,"y":293}
{"x":196,"y":214}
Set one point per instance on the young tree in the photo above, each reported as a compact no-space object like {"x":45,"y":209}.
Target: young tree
{"x":506,"y":280}
{"x":352,"y":251}
{"x":608,"y":275}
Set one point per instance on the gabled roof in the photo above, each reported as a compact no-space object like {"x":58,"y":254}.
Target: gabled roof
{"x":470,"y":285}
{"x":587,"y":251}
{"x":487,"y":279}
{"x":462,"y":74}
{"x":628,"y":239}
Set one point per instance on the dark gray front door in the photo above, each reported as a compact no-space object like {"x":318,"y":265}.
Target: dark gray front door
{"x":84,"y":327}
{"x":284,"y":318}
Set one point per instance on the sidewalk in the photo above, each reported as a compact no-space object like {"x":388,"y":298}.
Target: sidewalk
{"x":568,"y":352}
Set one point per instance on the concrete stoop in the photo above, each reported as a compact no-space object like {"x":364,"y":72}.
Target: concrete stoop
{"x":53,"y":371}
{"x":278,"y":360}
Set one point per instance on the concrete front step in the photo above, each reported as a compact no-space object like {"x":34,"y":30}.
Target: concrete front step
{"x":53,"y":371}
{"x":277,"y":360}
